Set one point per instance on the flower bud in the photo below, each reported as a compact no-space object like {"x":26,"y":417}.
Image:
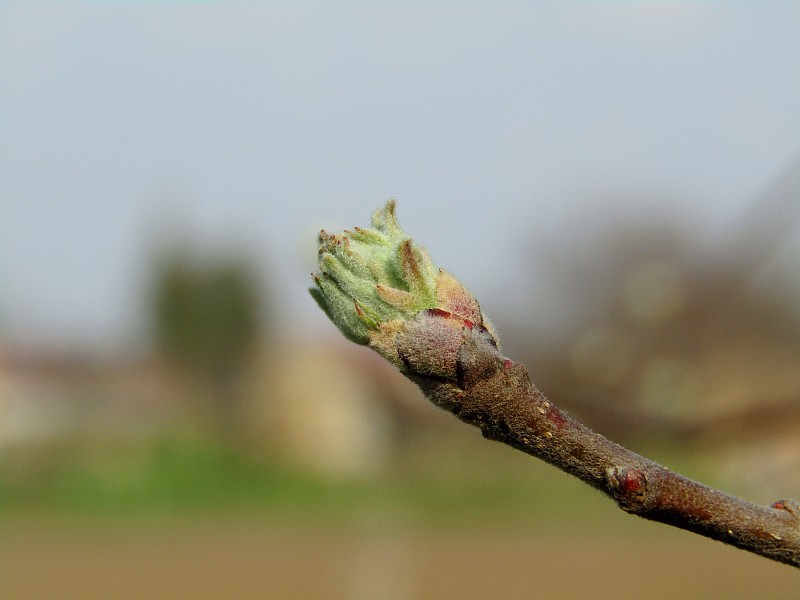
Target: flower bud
{"x":375,"y":282}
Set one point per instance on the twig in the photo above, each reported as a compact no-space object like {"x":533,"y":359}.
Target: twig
{"x":497,"y":396}
{"x":383,"y":291}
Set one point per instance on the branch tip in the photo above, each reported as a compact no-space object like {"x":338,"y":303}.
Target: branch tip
{"x":382,"y":290}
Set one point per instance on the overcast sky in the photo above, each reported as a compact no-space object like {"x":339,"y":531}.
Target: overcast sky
{"x":261,"y":123}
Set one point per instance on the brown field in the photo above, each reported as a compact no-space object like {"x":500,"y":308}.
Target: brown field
{"x":239,"y":558}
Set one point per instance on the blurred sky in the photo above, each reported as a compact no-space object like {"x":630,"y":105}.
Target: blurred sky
{"x":258,"y":124}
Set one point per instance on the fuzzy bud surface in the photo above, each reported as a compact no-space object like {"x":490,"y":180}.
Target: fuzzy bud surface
{"x":382,"y":290}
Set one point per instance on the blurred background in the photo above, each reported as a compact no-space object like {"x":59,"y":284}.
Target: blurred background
{"x":618,"y":183}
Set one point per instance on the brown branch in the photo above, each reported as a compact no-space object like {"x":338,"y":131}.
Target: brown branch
{"x":497,"y":396}
{"x":383,"y":291}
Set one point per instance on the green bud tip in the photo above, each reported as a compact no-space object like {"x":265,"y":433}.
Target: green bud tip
{"x":374,"y":282}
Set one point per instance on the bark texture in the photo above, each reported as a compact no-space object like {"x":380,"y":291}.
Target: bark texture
{"x":469,"y":377}
{"x":381,"y":290}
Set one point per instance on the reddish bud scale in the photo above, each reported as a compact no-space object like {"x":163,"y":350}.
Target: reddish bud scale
{"x":358,"y":309}
{"x":788,"y":505}
{"x":438,"y":312}
{"x":628,"y":486}
{"x":632,"y":481}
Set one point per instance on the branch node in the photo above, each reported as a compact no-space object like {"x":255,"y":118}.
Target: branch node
{"x":790,"y":506}
{"x":628,"y":485}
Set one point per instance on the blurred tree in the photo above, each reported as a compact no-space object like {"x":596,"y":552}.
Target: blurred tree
{"x":662,"y":334}
{"x":207,"y":320}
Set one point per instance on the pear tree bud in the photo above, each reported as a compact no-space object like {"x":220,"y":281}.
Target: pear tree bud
{"x":382,"y":290}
